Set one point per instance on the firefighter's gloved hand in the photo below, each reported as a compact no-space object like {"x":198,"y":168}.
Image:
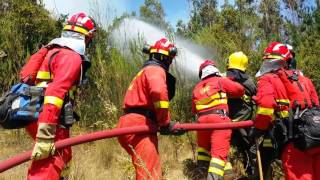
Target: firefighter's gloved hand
{"x":255,"y":133}
{"x":44,"y":146}
{"x":43,"y":149}
{"x":169,"y":130}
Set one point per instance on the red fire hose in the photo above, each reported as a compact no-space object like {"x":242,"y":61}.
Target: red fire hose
{"x":24,"y":157}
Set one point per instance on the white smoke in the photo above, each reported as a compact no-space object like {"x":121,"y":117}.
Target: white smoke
{"x":131,"y":30}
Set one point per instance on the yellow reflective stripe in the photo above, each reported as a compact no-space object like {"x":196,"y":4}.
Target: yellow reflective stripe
{"x":42,"y":84}
{"x":203,"y":158}
{"x":161,"y":51}
{"x":131,"y":84}
{"x":218,"y":161}
{"x":286,"y":101}
{"x":265,"y":111}
{"x":270,"y":56}
{"x":212,"y":104}
{"x":267,"y":143}
{"x":200,"y":149}
{"x":53,"y":100}
{"x":216,"y":171}
{"x":213,"y":97}
{"x":228,"y":166}
{"x":161,"y":104}
{"x":44,"y":75}
{"x":284,"y":114}
{"x":77,"y":29}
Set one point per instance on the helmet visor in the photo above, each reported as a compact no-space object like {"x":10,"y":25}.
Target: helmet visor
{"x":269,"y":65}
{"x":210,"y":70}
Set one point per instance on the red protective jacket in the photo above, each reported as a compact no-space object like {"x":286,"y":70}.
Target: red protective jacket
{"x":272,"y":100}
{"x":300,"y":89}
{"x":211,"y":93}
{"x":148,"y":90}
{"x":60,"y":79}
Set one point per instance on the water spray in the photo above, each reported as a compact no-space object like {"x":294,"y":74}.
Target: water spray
{"x":190,"y":55}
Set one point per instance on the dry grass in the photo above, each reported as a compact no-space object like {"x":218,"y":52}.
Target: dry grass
{"x":103,"y":159}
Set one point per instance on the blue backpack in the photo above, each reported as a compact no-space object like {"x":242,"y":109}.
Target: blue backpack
{"x":21,"y":106}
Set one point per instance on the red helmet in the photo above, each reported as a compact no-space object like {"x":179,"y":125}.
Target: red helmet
{"x":81,"y":23}
{"x":207,"y":68}
{"x":162,"y":46}
{"x":276,"y":56}
{"x":277,"y":50}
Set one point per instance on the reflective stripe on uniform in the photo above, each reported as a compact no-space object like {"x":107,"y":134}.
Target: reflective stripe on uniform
{"x":44,"y":75}
{"x":43,"y":84}
{"x":218,"y":161}
{"x":228,"y":166}
{"x":161,"y":51}
{"x":212,"y":104}
{"x":216,"y":171}
{"x":283,"y":101}
{"x":270,"y":56}
{"x":267,"y":143}
{"x":209,"y":99}
{"x":203,"y":150}
{"x":53,"y":100}
{"x":203,"y":154}
{"x":217,"y":166}
{"x":161,"y":104}
{"x":284,"y":114}
{"x":265,"y":111}
{"x":77,"y":29}
{"x":203,"y":158}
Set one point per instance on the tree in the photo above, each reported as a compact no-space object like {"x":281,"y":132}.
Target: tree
{"x":153,"y":12}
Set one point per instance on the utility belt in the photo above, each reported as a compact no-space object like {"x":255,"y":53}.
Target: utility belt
{"x":213,"y":111}
{"x":142,"y":111}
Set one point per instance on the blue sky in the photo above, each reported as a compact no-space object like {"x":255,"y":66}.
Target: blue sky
{"x":174,"y":9}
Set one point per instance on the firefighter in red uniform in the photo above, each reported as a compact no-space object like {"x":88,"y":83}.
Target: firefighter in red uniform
{"x":273,"y":100}
{"x":146,"y":103}
{"x":209,"y":103}
{"x":60,"y":73}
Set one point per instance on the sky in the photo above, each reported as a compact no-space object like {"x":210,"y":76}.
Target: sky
{"x":174,"y":9}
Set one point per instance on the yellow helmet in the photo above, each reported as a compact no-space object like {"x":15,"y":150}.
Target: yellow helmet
{"x":238,"y":60}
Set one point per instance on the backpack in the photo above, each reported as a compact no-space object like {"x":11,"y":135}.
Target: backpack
{"x":304,"y":124}
{"x":307,"y":127}
{"x":21,"y":106}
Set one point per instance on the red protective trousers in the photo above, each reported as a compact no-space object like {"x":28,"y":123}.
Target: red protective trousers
{"x":51,"y":167}
{"x":300,"y":165}
{"x":143,"y":148}
{"x":216,"y":142}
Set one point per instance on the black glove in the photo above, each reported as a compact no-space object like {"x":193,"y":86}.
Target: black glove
{"x":255,"y":133}
{"x":170,"y":130}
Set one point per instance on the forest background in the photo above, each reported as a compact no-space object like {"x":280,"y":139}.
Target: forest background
{"x":246,"y":25}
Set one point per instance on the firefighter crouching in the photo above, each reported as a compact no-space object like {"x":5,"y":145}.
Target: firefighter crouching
{"x":146,"y":103}
{"x":209,"y":103}
{"x":60,"y":73}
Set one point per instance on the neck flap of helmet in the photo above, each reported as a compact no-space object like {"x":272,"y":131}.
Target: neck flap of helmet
{"x":71,"y":40}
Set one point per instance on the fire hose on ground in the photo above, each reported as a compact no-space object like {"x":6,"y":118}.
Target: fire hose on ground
{"x":110,"y":133}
